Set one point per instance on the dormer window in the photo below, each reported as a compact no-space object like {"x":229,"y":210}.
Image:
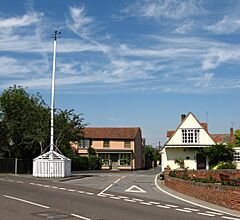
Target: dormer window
{"x":190,"y":136}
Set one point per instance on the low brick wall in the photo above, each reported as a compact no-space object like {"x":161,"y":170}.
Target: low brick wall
{"x":226,"y":196}
{"x":215,"y":174}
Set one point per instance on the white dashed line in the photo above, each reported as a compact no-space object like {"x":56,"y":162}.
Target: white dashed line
{"x":146,"y":203}
{"x":63,"y":188}
{"x":138,"y":200}
{"x":183,"y":210}
{"x":163,"y":206}
{"x":34,"y":184}
{"x":214,"y":213}
{"x":80,"y":191}
{"x":54,"y":187}
{"x":25,"y":201}
{"x":71,"y":190}
{"x":123,"y":197}
{"x":81,"y":217}
{"x":129,"y":200}
{"x":194,"y":210}
{"x":19,"y":181}
{"x":231,"y":218}
{"x":116,"y":198}
{"x":201,"y":213}
{"x":89,"y":193}
{"x":172,"y":206}
{"x":154,"y":203}
{"x":46,"y":186}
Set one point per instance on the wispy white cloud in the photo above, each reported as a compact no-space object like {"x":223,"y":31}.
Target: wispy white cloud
{"x":78,"y":22}
{"x":170,"y":9}
{"x":24,"y":20}
{"x":184,"y":28}
{"x":227,"y":25}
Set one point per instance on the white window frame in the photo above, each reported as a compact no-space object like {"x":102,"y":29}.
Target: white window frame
{"x":236,"y":155}
{"x":190,"y":136}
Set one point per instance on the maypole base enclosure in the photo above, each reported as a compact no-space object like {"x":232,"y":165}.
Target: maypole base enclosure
{"x":51,"y":164}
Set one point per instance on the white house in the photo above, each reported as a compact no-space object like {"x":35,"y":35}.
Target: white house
{"x":184,"y":142}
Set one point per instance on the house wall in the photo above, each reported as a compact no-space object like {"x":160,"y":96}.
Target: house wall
{"x":137,"y":161}
{"x":113,"y":144}
{"x":189,"y":123}
{"x":170,"y":154}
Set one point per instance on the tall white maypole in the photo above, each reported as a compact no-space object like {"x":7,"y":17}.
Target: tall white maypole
{"x":52,"y":163}
{"x":56,"y":34}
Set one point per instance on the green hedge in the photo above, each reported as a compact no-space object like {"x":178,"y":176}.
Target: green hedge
{"x":86,"y":163}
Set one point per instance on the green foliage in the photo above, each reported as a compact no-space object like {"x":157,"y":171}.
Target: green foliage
{"x":86,"y":163}
{"x":237,"y":138}
{"x":224,"y":165}
{"x":80,"y":163}
{"x":218,"y":153}
{"x":91,"y":151}
{"x":151,"y":153}
{"x":25,"y":125}
{"x":95,"y":163}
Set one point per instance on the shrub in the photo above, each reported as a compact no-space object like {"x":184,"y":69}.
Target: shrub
{"x":80,"y":163}
{"x":224,"y":165}
{"x":95,"y":163}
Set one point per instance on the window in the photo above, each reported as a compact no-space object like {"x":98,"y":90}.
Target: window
{"x":125,"y":159}
{"x":106,"y":143}
{"x":84,"y":143}
{"x":237,"y":156}
{"x":190,"y":135}
{"x":127,"y":143}
{"x":105,"y":158}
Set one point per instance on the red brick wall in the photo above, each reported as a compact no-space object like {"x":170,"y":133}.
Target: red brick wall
{"x":226,"y":196}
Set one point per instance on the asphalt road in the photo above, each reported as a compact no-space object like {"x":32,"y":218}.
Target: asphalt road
{"x":32,"y":198}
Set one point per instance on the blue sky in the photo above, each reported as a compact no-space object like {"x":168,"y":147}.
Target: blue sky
{"x":128,"y":63}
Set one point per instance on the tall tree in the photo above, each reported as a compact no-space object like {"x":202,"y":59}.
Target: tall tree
{"x":25,"y":125}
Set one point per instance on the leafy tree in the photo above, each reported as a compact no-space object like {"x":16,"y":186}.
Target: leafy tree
{"x":218,"y":153}
{"x":91,"y":152}
{"x":25,"y":125}
{"x":237,"y":138}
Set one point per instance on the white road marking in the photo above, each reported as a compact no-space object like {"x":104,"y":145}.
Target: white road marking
{"x":154,"y":203}
{"x":138,"y":200}
{"x":63,"y":188}
{"x":135,"y":189}
{"x":201,"y":213}
{"x":105,"y":189}
{"x":89,"y":193}
{"x":190,"y":209}
{"x":71,"y":190}
{"x":34,"y":184}
{"x":112,"y":197}
{"x":111,"y":185}
{"x":54,"y":187}
{"x":22,"y":200}
{"x":81,"y":217}
{"x":214,"y":213}
{"x":46,"y":186}
{"x":193,"y":203}
{"x":11,"y":181}
{"x":183,"y":210}
{"x":123,"y":197}
{"x":145,"y":203}
{"x":80,"y":191}
{"x":129,"y":200}
{"x":173,"y":206}
{"x":19,"y":181}
{"x":231,"y":218}
{"x":163,"y":206}
{"x":106,"y":194}
{"x":39,"y":184}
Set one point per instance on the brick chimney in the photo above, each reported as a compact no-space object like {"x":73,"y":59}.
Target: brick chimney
{"x":231,"y":136}
{"x":183,"y":116}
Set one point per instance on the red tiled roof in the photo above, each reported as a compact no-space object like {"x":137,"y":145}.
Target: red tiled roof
{"x":205,"y":126}
{"x":111,"y":133}
{"x":170,"y":133}
{"x":221,"y":138}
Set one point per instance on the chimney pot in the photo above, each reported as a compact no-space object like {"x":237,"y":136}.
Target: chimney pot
{"x":183,"y":116}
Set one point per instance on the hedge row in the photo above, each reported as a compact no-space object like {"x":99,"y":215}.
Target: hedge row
{"x":86,"y":163}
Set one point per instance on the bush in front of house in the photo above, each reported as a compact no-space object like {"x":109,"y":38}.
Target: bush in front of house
{"x":224,"y":165}
{"x":95,"y":163}
{"x":80,"y":163}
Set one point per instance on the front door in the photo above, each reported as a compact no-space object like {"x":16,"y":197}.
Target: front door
{"x":201,"y":162}
{"x":114,"y":159}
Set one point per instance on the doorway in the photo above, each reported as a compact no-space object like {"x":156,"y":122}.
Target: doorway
{"x":201,"y":162}
{"x":114,"y":159}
